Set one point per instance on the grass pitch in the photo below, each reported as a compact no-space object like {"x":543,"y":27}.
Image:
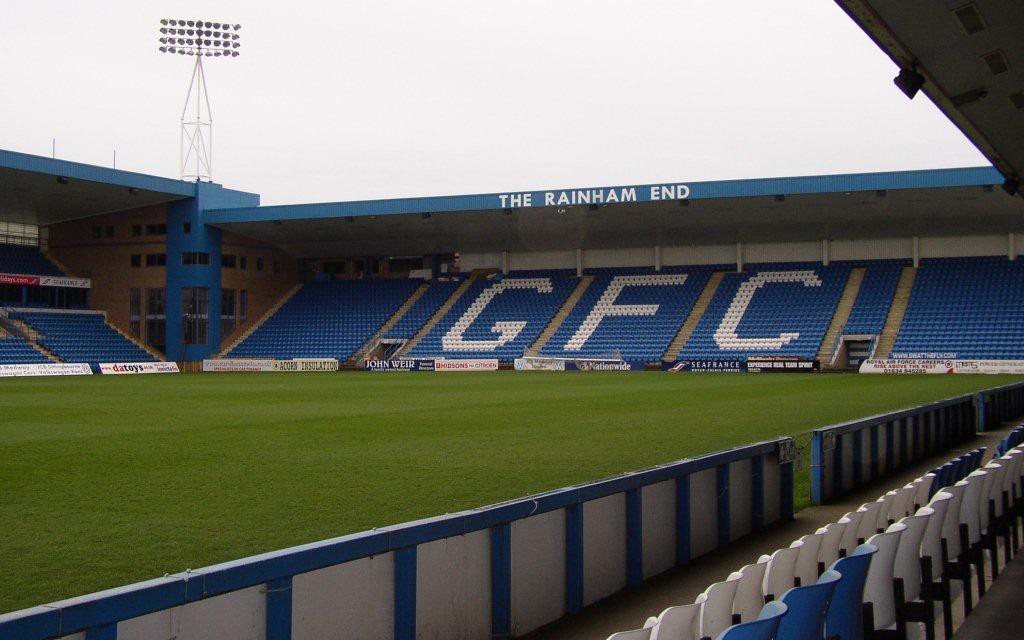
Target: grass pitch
{"x":110,"y":480}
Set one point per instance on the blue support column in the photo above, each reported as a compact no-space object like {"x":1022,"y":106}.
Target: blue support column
{"x":279,"y":609}
{"x":634,"y":538}
{"x":201,"y":238}
{"x":757,"y":492}
{"x":817,"y":468}
{"x":405,"y":593}
{"x":724,"y":533}
{"x":574,"y":558}
{"x":501,"y":581}
{"x":683,"y":554}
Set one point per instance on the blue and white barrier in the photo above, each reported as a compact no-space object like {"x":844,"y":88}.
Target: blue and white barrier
{"x":847,"y":455}
{"x":495,"y":572}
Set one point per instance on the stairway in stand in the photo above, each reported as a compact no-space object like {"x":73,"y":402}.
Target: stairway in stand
{"x":699,"y":307}
{"x":387,"y":326}
{"x":256,"y":325}
{"x":894,"y":320}
{"x":842,"y":314}
{"x":560,"y":316}
{"x":443,"y":310}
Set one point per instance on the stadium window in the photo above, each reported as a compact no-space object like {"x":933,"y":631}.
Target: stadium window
{"x":277,"y":267}
{"x":195,"y":258}
{"x":110,"y":231}
{"x":259,"y":264}
{"x":135,"y":312}
{"x":156,"y":259}
{"x":376,"y":266}
{"x":228,"y":261}
{"x":136,"y":230}
{"x":243,"y":305}
{"x":97,"y":232}
{"x":227,"y":312}
{"x":243,"y":263}
{"x":336,"y":267}
{"x":136,"y":260}
{"x":187,"y":227}
{"x":195,"y":315}
{"x":156,"y":321}
{"x":156,"y":229}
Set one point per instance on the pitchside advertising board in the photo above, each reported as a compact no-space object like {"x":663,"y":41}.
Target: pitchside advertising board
{"x":266,"y":365}
{"x":439,"y":364}
{"x":940,"y":366}
{"x":765,"y":364}
{"x":45,"y":281}
{"x":718,"y":366}
{"x":47,"y":369}
{"x":136,"y":368}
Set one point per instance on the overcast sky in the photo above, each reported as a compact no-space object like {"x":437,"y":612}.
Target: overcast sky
{"x":345,"y":99}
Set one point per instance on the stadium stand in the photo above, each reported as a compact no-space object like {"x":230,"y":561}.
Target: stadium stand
{"x":327,"y":319}
{"x":422,"y":309}
{"x":967,"y":308}
{"x":773,"y":309}
{"x":14,"y":350}
{"x":81,"y":337}
{"x":894,"y":568}
{"x":26,"y":260}
{"x":632,"y":314}
{"x":875,"y":297}
{"x":498,"y":317}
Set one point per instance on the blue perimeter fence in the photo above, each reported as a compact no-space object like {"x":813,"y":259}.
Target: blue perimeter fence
{"x":848,"y":455}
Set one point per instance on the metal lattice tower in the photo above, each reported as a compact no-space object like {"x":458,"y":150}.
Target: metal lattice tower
{"x":199,"y":39}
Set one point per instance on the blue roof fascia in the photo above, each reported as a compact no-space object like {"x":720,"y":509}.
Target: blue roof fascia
{"x":919,"y":179}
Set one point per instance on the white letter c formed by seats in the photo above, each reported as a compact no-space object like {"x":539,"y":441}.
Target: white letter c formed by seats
{"x":726,"y":337}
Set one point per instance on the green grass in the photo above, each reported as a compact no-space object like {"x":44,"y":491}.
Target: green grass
{"x":105,"y":481}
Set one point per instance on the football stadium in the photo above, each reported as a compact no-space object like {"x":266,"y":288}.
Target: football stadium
{"x":772,"y":407}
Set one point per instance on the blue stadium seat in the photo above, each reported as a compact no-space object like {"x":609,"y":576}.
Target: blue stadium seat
{"x":28,"y":260}
{"x":766,"y":626}
{"x":327,"y":319}
{"x":82,"y":337}
{"x":14,"y":350}
{"x":845,"y":617}
{"x":871,"y":308}
{"x":632,"y":314}
{"x":969,"y":308}
{"x":771,"y":309}
{"x":422,"y":310}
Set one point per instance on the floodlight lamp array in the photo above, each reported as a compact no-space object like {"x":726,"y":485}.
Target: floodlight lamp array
{"x":199,"y":38}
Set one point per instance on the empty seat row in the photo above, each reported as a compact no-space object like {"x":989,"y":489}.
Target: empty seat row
{"x":881,"y":571}
{"x":82,"y":337}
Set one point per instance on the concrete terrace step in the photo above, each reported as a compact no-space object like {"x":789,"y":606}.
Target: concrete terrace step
{"x":559,"y":318}
{"x":443,"y":310}
{"x":894,"y":320}
{"x":391,"y":322}
{"x":266,"y":316}
{"x":841,"y":316}
{"x":699,"y":307}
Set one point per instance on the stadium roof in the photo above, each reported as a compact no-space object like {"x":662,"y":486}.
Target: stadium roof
{"x":39,"y":190}
{"x":868,"y":205}
{"x":971,"y":55}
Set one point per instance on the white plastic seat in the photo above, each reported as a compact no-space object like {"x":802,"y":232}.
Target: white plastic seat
{"x":922,"y":487}
{"x":636,"y":634}
{"x":749,"y":598}
{"x":970,"y":507}
{"x":716,"y":606}
{"x":850,"y":538}
{"x":780,"y":573}
{"x":878,"y":589}
{"x":885,"y":505}
{"x":676,"y":623}
{"x":908,"y":554}
{"x":869,"y":521}
{"x":806,"y":566}
{"x":831,"y":541}
{"x":931,"y":541}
